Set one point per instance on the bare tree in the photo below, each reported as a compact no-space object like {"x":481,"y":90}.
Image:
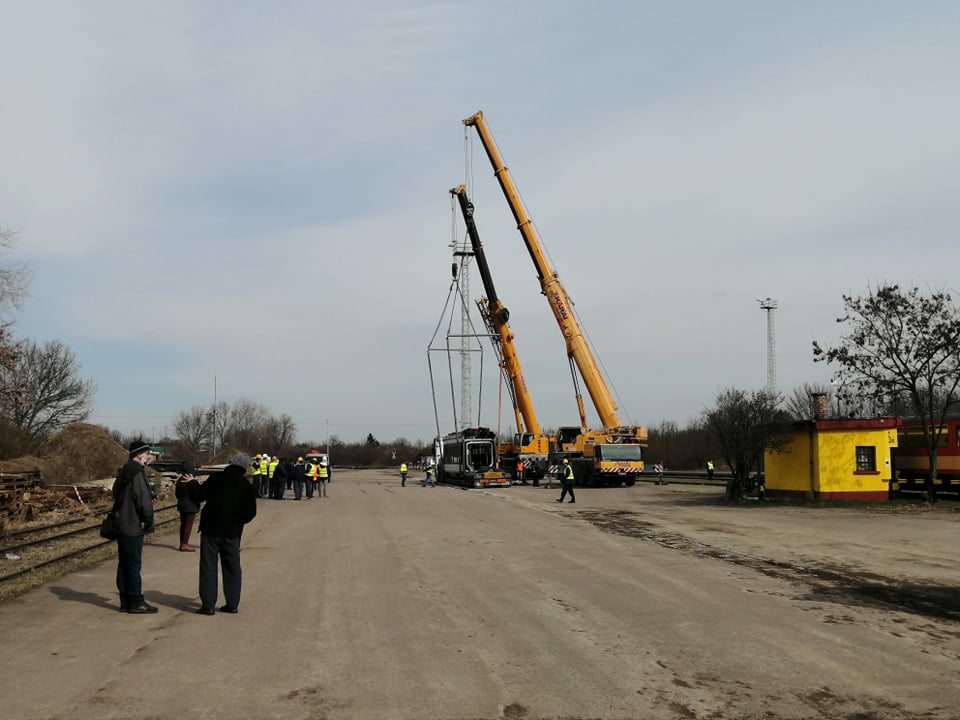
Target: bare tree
{"x":194,"y":427}
{"x":902,"y":347}
{"x":746,"y":424}
{"x":14,"y":280}
{"x":42,"y":392}
{"x":801,"y":404}
{"x":280,"y":432}
{"x":660,"y":440}
{"x":247,"y":420}
{"x":221,"y":422}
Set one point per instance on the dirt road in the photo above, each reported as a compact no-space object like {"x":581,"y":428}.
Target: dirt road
{"x":439,"y":603}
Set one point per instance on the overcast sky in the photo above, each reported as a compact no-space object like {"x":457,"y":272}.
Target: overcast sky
{"x":257,"y":193}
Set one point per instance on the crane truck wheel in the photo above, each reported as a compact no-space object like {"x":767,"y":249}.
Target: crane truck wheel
{"x":630,"y":482}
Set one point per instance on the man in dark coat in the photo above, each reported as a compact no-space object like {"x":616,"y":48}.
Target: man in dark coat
{"x":279,"y":480}
{"x":134,"y":506}
{"x":231,"y":502}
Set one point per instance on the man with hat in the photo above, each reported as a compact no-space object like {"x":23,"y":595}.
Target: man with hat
{"x":133,"y":502}
{"x":231,"y":502}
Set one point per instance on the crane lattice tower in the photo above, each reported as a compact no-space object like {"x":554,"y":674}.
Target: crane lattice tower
{"x":769,"y":306}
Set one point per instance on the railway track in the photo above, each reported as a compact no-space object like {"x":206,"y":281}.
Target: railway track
{"x":25,"y":551}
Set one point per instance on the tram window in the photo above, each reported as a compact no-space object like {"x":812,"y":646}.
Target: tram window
{"x":479,"y":456}
{"x":866,"y":458}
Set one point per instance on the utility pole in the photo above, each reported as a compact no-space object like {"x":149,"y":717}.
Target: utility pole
{"x":769,"y":306}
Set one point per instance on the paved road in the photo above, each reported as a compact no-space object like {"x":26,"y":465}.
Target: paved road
{"x":390,"y":602}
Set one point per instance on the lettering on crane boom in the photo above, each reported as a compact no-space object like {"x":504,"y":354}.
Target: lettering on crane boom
{"x":561,"y":308}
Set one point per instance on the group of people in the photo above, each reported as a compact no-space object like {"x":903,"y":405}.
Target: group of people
{"x":428,"y":478}
{"x":272,"y":476}
{"x":229,"y":502}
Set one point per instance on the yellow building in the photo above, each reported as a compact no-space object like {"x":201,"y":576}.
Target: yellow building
{"x":834,"y":460}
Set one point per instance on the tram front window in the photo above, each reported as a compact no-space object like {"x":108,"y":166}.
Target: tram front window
{"x":479,"y":456}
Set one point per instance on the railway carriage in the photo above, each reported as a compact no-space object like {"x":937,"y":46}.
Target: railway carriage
{"x":911,"y":464}
{"x":469,"y":459}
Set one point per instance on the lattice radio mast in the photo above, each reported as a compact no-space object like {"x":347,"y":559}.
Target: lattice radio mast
{"x":462,"y":254}
{"x":770,"y":305}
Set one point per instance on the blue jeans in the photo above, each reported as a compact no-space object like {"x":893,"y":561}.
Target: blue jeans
{"x":227,"y":551}
{"x":129,"y":563}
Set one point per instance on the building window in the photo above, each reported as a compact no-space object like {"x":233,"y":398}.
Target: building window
{"x":866,"y":458}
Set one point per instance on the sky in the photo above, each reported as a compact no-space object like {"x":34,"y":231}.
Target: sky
{"x":241,"y":200}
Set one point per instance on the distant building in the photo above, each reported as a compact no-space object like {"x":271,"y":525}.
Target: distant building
{"x":834,"y":460}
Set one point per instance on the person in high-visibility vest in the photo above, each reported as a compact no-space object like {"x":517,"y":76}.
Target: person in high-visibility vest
{"x":272,"y":475}
{"x":566,"y":482}
{"x":264,"y":475}
{"x":403,"y":474}
{"x":428,"y":478}
{"x":310,"y":475}
{"x":520,"y":472}
{"x":323,"y":476}
{"x":709,"y":469}
{"x":255,"y":475}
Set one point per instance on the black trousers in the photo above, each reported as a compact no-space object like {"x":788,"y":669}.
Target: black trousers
{"x":226,"y":551}
{"x":129,"y":562}
{"x":567,"y":488}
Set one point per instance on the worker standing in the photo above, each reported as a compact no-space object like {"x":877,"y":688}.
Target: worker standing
{"x":323,"y":475}
{"x":271,"y":476}
{"x":403,"y":474}
{"x":566,"y":482}
{"x":520,"y":472}
{"x":299,"y":474}
{"x":310,"y":475}
{"x":428,"y":478}
{"x":709,"y":469}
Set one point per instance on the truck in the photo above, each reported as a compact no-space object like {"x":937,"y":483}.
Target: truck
{"x":529,"y":445}
{"x":613,"y":453}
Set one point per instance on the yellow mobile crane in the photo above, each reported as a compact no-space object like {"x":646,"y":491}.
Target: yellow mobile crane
{"x":530,"y":446}
{"x":614,"y":453}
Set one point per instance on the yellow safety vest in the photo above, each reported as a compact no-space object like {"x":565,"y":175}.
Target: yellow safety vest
{"x":311,"y":471}
{"x":264,"y":466}
{"x":323,"y":472}
{"x":254,"y":467}
{"x":567,"y":472}
{"x":403,"y":467}
{"x":273,"y":466}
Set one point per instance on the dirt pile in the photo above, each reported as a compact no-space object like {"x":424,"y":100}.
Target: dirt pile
{"x":78,"y":454}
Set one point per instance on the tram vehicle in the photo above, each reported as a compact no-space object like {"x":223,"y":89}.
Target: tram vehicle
{"x":469,"y":459}
{"x":911,"y":462}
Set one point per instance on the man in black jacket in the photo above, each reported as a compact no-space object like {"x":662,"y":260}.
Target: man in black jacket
{"x":134,"y":506}
{"x":231,"y":502}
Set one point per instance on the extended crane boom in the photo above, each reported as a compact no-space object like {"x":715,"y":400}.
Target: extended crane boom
{"x":578,"y":351}
{"x":531,"y":447}
{"x":605,"y":455}
{"x":499,"y":318}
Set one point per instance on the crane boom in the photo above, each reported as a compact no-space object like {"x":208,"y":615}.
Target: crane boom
{"x":578,"y":351}
{"x":499,"y":317}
